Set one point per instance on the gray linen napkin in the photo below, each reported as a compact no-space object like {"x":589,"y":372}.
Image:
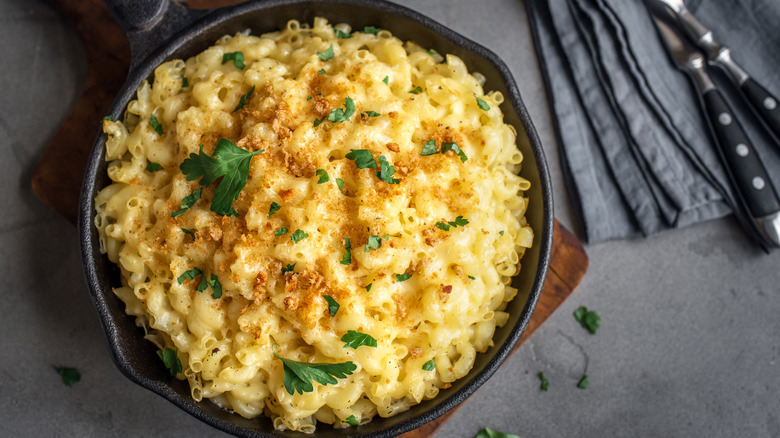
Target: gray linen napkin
{"x":637,"y":152}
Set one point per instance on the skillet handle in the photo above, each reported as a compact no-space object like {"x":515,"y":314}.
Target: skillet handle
{"x":149,"y":24}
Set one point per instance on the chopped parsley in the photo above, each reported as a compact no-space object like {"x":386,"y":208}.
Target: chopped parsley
{"x":403,"y":277}
{"x":339,"y":115}
{"x":445,"y":147}
{"x":188,"y":202}
{"x":351,"y":420}
{"x":333,"y":305}
{"x":236,"y":57}
{"x":442,"y":226}
{"x":324,"y":177}
{"x":321,"y":71}
{"x":429,"y":148}
{"x":386,"y":80}
{"x":185,"y":82}
{"x":186,"y":231}
{"x":342,"y":35}
{"x":298,"y":376}
{"x":273,"y":209}
{"x":244,"y":98}
{"x":368,"y":287}
{"x":216,"y":287}
{"x":155,"y":124}
{"x":108,"y":119}
{"x":327,"y":53}
{"x":69,"y":375}
{"x":471,"y":277}
{"x":308,"y":97}
{"x":289,"y":268}
{"x":544,"y":382}
{"x":429,"y":366}
{"x":416,"y":90}
{"x":202,"y":284}
{"x":501,"y":232}
{"x":583,"y":383}
{"x":386,"y":171}
{"x":189,"y":275}
{"x":371,"y":29}
{"x":153,"y":167}
{"x":589,"y":319}
{"x":490,"y":433}
{"x":374,"y":242}
{"x":355,"y":339}
{"x":170,"y":358}
{"x":229,"y":162}
{"x":363,"y":158}
{"x":318,"y":121}
{"x":483,"y":105}
{"x":340,"y":183}
{"x":299,"y":235}
{"x":281,"y":231}
{"x":371,"y":113}
{"x":346,"y":259}
{"x":459,"y":221}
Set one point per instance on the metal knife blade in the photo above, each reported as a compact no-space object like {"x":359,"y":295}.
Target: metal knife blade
{"x":744,"y":165}
{"x":763,"y":102}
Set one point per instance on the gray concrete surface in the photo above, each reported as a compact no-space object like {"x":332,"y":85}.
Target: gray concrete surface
{"x":690,"y":330}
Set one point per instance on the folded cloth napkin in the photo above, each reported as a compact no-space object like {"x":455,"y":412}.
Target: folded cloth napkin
{"x":637,"y":152}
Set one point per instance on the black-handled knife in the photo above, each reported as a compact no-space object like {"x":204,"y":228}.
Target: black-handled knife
{"x":762,"y":101}
{"x":744,"y":164}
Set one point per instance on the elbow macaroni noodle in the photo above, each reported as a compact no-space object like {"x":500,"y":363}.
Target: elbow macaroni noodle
{"x":446,"y":311}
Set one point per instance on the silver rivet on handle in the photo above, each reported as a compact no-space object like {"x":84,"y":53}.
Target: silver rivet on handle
{"x":770,"y":103}
{"x":742,"y":150}
{"x":758,"y":183}
{"x":724,"y":119}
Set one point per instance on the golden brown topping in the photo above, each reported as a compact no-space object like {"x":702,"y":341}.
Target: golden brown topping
{"x":393,"y":147}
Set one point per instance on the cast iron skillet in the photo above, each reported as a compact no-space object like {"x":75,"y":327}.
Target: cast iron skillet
{"x":149,"y":25}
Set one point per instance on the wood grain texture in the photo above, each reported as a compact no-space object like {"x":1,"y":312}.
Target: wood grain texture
{"x":57,"y":178}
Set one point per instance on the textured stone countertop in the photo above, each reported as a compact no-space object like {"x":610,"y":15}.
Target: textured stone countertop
{"x":690,"y":330}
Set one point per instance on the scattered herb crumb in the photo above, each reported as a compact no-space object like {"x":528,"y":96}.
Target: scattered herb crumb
{"x":429,"y":366}
{"x":155,"y":124}
{"x":583,"y":383}
{"x":589,"y":319}
{"x":69,"y":375}
{"x":153,"y":167}
{"x":483,"y":105}
{"x":352,"y":420}
{"x":544,"y":382}
{"x":170,"y":358}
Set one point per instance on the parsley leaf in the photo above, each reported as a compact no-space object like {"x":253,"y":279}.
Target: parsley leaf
{"x":368,"y":287}
{"x":333,"y":305}
{"x":429,"y":366}
{"x":403,"y":277}
{"x":443,"y":226}
{"x":460,"y":221}
{"x":386,"y":80}
{"x":188,"y":202}
{"x":289,"y":268}
{"x":170,"y":358}
{"x":340,"y":183}
{"x":327,"y":53}
{"x":299,"y":235}
{"x":482,"y":105}
{"x":281,"y":231}
{"x":108,"y":119}
{"x":501,"y":232}
{"x":416,"y":90}
{"x":471,"y":277}
{"x":351,"y":420}
{"x":342,"y":35}
{"x":324,"y":177}
{"x":371,"y":113}
{"x":371,"y":29}
{"x":153,"y":167}
{"x":583,"y":383}
{"x":69,"y":375}
{"x":273,"y":209}
{"x":229,"y":162}
{"x":339,"y":115}
{"x":445,"y":147}
{"x":155,"y":124}
{"x":363,"y":158}
{"x":202,"y":284}
{"x":490,"y":433}
{"x":386,"y":171}
{"x":322,"y":72}
{"x":429,"y":148}
{"x":189,"y":275}
{"x":544,"y":382}
{"x":355,"y":339}
{"x":298,"y":376}
{"x":318,"y":121}
{"x":186,"y":231}
{"x":216,"y":287}
{"x":432,"y":52}
{"x":185,"y":82}
{"x":244,"y":98}
{"x":236,"y":57}
{"x":374,"y":242}
{"x":346,"y":259}
{"x":589,"y":319}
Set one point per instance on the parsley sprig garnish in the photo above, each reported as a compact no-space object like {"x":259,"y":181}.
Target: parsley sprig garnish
{"x":459,"y":221}
{"x":340,"y":115}
{"x":589,"y":319}
{"x":236,"y":57}
{"x":229,"y":162}
{"x":327,"y":53}
{"x":355,"y":339}
{"x":170,"y":358}
{"x":298,"y":376}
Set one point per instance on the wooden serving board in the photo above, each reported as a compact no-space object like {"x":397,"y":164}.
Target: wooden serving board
{"x":57,"y":178}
